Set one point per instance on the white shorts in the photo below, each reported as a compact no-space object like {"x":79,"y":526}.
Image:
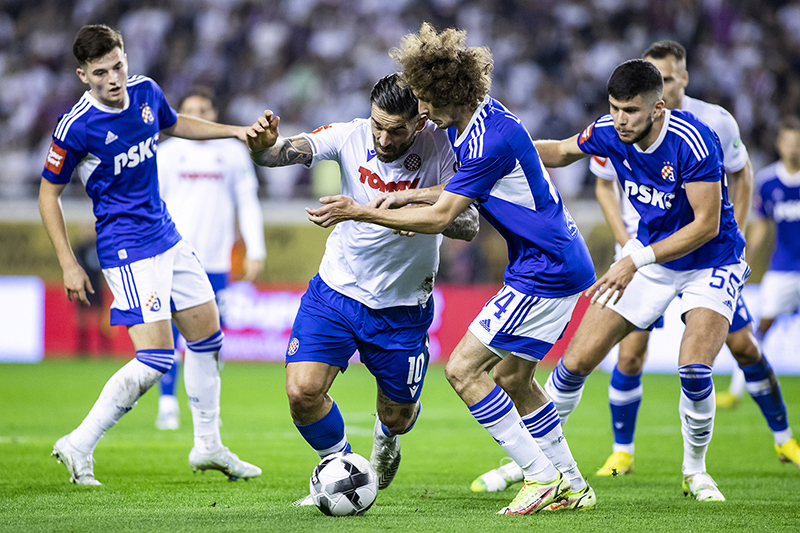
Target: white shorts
{"x":150,"y":289}
{"x":523,"y":325}
{"x":653,"y":287}
{"x":780,"y":293}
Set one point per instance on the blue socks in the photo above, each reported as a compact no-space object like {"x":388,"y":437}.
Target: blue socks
{"x":764,"y":388}
{"x":624,"y":399}
{"x":326,"y":435}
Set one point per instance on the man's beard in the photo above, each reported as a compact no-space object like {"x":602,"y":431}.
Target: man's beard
{"x":395,"y":154}
{"x":642,"y":135}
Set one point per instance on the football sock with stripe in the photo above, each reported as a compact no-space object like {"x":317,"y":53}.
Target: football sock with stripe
{"x":326,"y":435}
{"x":696,"y":408}
{"x":119,"y":395}
{"x":202,"y":382}
{"x":496,"y":413}
{"x":544,"y":426}
{"x":167,"y":383}
{"x":565,"y":389}
{"x":624,"y":399}
{"x":763,"y":386}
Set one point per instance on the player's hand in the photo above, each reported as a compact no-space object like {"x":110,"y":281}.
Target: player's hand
{"x":263,"y":134}
{"x":77,"y":284}
{"x":334,"y":209}
{"x":387,"y":200}
{"x":611,"y":285}
{"x":251,"y":268}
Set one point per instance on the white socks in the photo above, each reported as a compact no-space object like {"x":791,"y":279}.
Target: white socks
{"x":697,"y":426}
{"x":202,"y":381}
{"x":118,"y":396}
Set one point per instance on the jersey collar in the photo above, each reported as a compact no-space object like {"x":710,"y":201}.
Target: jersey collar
{"x":463,"y":137}
{"x":102,"y":107}
{"x":790,"y":180}
{"x":663,"y":133}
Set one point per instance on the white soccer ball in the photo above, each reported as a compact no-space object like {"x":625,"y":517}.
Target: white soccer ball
{"x":344,"y":484}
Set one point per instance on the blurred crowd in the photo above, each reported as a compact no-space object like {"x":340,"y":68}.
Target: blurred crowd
{"x":315,"y":61}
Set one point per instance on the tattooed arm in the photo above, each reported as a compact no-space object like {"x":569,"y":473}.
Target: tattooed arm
{"x":465,"y":226}
{"x":268,"y":149}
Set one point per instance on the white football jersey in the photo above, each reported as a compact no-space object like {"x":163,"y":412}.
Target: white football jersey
{"x":365,"y":261}
{"x":724,"y":125}
{"x":203,"y":184}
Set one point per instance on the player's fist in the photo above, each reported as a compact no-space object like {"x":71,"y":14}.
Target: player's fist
{"x":263,"y":134}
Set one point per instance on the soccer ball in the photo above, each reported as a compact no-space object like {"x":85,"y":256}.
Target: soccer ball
{"x":344,"y":484}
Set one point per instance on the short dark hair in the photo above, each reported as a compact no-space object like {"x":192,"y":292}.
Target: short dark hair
{"x":201,"y":91}
{"x":388,"y":96}
{"x":791,"y":122}
{"x":662,"y":49}
{"x":94,"y":41}
{"x":635,"y":77}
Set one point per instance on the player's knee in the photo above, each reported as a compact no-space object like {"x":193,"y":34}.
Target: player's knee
{"x":630,"y":363}
{"x":303,"y":398}
{"x":515,"y":385}
{"x":457,"y":373}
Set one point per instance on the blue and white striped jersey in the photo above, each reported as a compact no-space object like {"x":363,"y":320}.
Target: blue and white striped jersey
{"x":113,"y":152}
{"x":653,"y":180}
{"x":778,"y":199}
{"x":499,"y":166}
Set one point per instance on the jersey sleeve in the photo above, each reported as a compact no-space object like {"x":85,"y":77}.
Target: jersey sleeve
{"x":327,"y":141}
{"x":248,"y":208}
{"x":167,"y":117}
{"x":62,"y":158}
{"x":602,"y":168}
{"x":476,"y":177}
{"x":592,"y":140}
{"x":703,"y":158}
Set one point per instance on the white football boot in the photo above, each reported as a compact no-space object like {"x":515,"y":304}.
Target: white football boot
{"x":225,"y":461}
{"x":385,"y":457}
{"x":79,"y":464}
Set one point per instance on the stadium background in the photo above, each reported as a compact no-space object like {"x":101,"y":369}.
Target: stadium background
{"x":314,"y":62}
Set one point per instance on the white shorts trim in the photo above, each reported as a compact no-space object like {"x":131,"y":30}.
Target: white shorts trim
{"x":780,"y":293}
{"x":150,"y":289}
{"x":514,"y":323}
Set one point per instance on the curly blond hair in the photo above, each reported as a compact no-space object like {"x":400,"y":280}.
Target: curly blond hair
{"x":441,"y":69}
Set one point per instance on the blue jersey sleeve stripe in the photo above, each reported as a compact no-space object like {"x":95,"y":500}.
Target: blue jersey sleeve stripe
{"x":693,"y":133}
{"x":69,"y":118}
{"x":688,"y":141}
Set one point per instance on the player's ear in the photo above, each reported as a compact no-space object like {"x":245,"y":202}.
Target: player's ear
{"x":421,"y":121}
{"x":82,"y":75}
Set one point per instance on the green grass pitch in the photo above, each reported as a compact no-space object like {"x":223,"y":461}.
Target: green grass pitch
{"x":148,"y":485}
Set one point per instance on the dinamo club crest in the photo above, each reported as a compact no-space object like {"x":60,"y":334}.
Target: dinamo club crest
{"x":667,"y":172}
{"x":147,"y":115}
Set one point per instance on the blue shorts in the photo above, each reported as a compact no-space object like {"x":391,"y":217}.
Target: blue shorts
{"x":741,"y":316}
{"x":392,"y":342}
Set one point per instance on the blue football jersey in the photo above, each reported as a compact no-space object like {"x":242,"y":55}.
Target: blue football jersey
{"x":778,"y":199}
{"x":653,"y":180}
{"x":113,"y":153}
{"x":499,"y":167}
